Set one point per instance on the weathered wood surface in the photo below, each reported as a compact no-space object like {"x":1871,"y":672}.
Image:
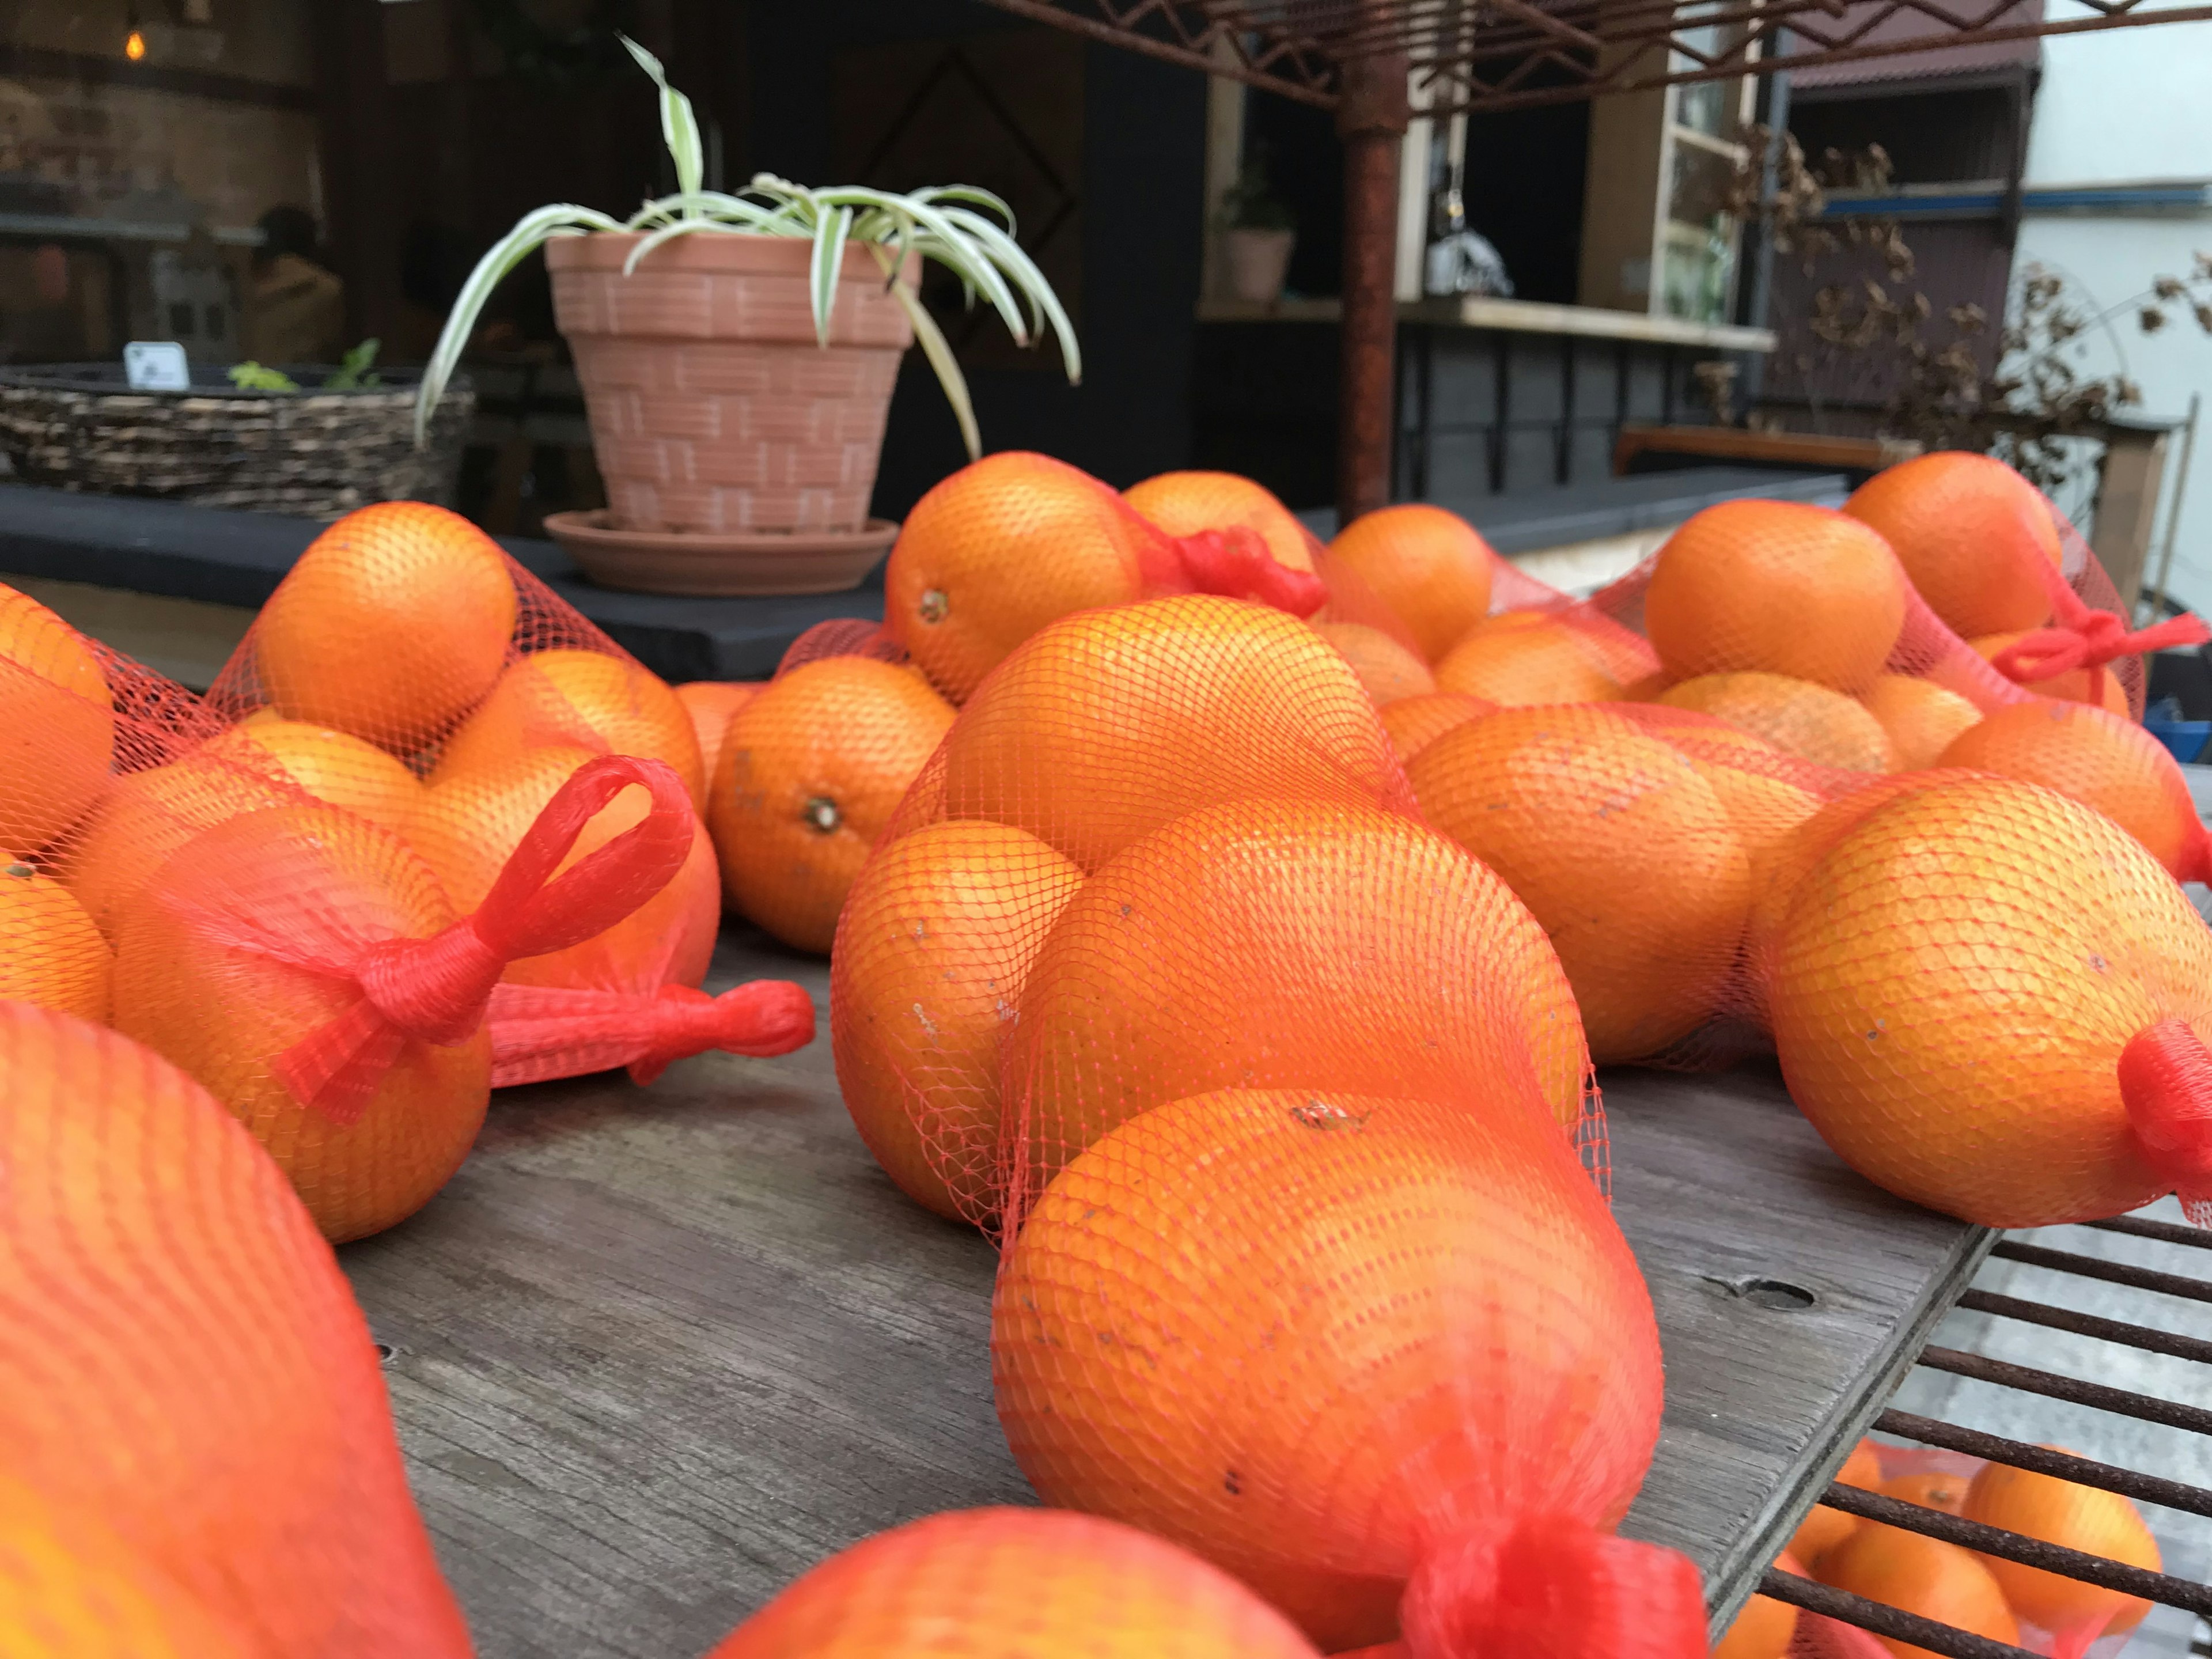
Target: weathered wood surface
{"x":658,"y":1351}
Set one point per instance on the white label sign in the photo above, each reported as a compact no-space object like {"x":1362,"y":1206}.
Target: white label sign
{"x":156,"y":366}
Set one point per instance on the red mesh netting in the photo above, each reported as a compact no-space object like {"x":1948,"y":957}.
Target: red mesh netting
{"x":196,"y":1456}
{"x":994,"y":1583}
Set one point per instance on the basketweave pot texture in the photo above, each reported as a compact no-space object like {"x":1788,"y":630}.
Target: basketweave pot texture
{"x":312,"y":454}
{"x":714,"y":409}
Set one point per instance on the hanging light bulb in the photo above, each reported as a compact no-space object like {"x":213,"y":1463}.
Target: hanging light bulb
{"x":134,"y":46}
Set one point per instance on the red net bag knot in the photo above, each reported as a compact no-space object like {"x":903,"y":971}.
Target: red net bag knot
{"x":1553,"y":1589}
{"x":436,"y":989}
{"x":1236,"y":563}
{"x":2079,"y":637}
{"x":540,"y":1032}
{"x":2165,"y":1080}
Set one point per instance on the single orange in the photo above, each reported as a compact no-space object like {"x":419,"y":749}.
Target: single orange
{"x":1185,"y":503}
{"x":1004,"y":546}
{"x":1953,"y":987}
{"x":1765,"y":1627}
{"x":1921,"y":717}
{"x":1970,"y":532}
{"x":57,"y":723}
{"x":1796,"y":715}
{"x":711,"y":703}
{"x":392,"y":625}
{"x":583,"y":699}
{"x":1431,"y":566}
{"x":183,"y":1364}
{"x":2100,"y":759}
{"x":225,"y":1013}
{"x":1823,"y":1529}
{"x":468,"y":825}
{"x":51,"y":953}
{"x":1932,"y":1489}
{"x":1387,"y":669}
{"x":1737,"y":589}
{"x":1212,"y":953}
{"x":1522,"y":658}
{"x":149,"y":814}
{"x":810,"y":772}
{"x":2099,"y":685}
{"x":1110,"y":724}
{"x":1397,"y":1319}
{"x":932,"y":952}
{"x":2078,"y":1517}
{"x":1925,"y":1576}
{"x":1624,"y":854}
{"x":1413,"y":723}
{"x":334,"y":766}
{"x":1767,"y":791}
{"x":1013,"y":1583}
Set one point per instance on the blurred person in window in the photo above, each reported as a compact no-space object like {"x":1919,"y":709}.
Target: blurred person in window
{"x":294,"y":310}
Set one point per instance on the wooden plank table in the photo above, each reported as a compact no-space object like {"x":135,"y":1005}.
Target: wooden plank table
{"x":656,"y":1352}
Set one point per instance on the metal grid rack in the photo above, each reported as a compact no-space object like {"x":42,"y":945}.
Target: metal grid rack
{"x":2163,"y":1588}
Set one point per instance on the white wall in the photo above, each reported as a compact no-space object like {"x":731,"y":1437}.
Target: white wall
{"x":2115,"y":106}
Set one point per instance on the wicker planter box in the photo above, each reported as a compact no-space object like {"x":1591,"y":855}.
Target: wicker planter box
{"x":313,"y":454}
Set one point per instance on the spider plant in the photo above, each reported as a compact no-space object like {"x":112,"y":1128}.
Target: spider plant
{"x":953,"y":224}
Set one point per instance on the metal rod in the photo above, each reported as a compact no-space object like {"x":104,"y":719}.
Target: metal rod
{"x":2167,"y":1232}
{"x":1371,"y":118}
{"x":2082,"y":1324}
{"x":2051,"y":1386}
{"x":2042,"y":1460}
{"x":2173,"y":508}
{"x":2105,"y":1574}
{"x":1946,"y":1639}
{"x":2111,"y":1273}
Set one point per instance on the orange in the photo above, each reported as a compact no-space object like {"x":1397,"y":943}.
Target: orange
{"x":149,"y":814}
{"x":2101,"y":760}
{"x":391,"y":626}
{"x":183,"y":1368}
{"x":1413,"y":723}
{"x":1393,"y":1322}
{"x":1952,"y":990}
{"x":1520,"y":658}
{"x":997,"y":550}
{"x":1618,"y":847}
{"x":57,"y":723}
{"x":1388,"y":670}
{"x":1015,"y":1584}
{"x":1921,"y":718}
{"x":809,"y":774}
{"x":933,"y":951}
{"x":1925,"y":1576}
{"x":586,"y":699}
{"x":51,"y":953}
{"x":1431,"y":566}
{"x":1777,"y":587}
{"x":333,"y":767}
{"x":225,"y":1014}
{"x":1823,"y":1529}
{"x":711,"y":703}
{"x":1213,"y":953}
{"x":1185,"y":503}
{"x":1767,"y":793}
{"x":468,"y":825}
{"x":1970,"y":532}
{"x":1109,"y":724}
{"x":1796,"y":715}
{"x":2085,"y":1518}
{"x":1932,"y":1489}
{"x":1763,"y":1629}
{"x":2099,"y":685}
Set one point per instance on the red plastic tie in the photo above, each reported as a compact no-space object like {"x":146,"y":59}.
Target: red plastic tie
{"x":1235,"y":563}
{"x":542,"y":1032}
{"x":2079,"y":637}
{"x":2165,"y":1083}
{"x":435,"y":990}
{"x":1553,"y":1589}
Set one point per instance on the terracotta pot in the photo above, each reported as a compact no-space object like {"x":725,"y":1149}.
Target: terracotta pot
{"x":1258,"y":261}
{"x":712,"y":408}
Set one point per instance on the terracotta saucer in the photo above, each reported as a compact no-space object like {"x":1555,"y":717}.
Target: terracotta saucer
{"x":686,"y":562}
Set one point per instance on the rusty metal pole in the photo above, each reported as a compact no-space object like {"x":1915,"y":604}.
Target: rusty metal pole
{"x":1372,"y":117}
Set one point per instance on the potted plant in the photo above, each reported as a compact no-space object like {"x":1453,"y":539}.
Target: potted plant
{"x":737,"y":354}
{"x":1257,"y":234}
